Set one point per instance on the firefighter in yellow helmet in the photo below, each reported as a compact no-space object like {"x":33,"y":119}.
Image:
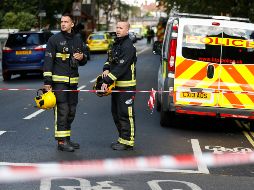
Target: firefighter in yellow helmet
{"x":120,"y":68}
{"x":63,"y":56}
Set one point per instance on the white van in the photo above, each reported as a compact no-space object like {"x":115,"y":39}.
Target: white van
{"x":207,"y":68}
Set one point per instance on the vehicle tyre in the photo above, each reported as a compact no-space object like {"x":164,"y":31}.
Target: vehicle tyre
{"x":252,"y":126}
{"x":6,"y":76}
{"x":158,"y":104}
{"x":167,"y":118}
{"x":88,"y":56}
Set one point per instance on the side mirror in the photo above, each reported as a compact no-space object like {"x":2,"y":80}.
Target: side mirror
{"x":157,"y":46}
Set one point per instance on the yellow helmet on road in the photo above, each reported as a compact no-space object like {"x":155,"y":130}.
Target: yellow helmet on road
{"x":46,"y":100}
{"x":97,"y":86}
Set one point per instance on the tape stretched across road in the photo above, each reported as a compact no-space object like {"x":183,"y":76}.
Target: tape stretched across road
{"x":138,"y":91}
{"x":88,"y":168}
{"x":93,"y":91}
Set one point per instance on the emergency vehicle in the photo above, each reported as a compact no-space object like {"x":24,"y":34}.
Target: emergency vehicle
{"x":207,"y":68}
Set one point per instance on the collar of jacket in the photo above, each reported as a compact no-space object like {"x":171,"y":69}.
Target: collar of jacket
{"x":68,"y":35}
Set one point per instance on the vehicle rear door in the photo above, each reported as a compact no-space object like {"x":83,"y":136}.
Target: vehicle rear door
{"x":236,"y":84}
{"x":197,"y":63}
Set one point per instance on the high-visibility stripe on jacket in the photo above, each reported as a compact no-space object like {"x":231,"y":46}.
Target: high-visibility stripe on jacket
{"x":122,"y":64}
{"x":60,"y":49}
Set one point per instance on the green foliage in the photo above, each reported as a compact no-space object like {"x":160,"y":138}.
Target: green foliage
{"x":25,"y":21}
{"x":235,"y":8}
{"x":32,"y":7}
{"x":9,"y":20}
{"x":21,"y":20}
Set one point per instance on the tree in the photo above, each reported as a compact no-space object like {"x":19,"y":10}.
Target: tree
{"x":235,"y":8}
{"x":33,"y":7}
{"x":22,"y":20}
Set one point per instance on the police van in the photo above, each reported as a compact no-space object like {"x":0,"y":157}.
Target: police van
{"x":207,"y":68}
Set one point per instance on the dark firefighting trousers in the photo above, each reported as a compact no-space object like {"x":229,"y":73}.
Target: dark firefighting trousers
{"x":65,"y":110}
{"x":122,"y":109}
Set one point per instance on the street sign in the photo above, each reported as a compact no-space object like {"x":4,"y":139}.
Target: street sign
{"x":42,"y":14}
{"x":76,"y":9}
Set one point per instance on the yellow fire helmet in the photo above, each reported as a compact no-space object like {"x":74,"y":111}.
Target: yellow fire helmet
{"x":97,"y":86}
{"x":45,"y":100}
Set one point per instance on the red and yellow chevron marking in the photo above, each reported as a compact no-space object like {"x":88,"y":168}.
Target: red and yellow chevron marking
{"x":237,"y":78}
{"x":232,"y":85}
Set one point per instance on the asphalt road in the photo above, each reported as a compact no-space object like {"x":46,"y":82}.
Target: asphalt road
{"x":27,"y":138}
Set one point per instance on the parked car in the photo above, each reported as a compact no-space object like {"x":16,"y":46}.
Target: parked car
{"x":206,"y":68}
{"x":112,"y":34}
{"x":99,"y":41}
{"x":23,"y":53}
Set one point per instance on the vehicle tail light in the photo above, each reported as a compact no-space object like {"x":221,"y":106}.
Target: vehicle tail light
{"x":40,"y":48}
{"x":216,"y":24}
{"x":7,"y":50}
{"x":172,"y":54}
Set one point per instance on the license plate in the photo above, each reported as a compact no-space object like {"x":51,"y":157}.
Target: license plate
{"x":196,"y":95}
{"x":23,"y":52}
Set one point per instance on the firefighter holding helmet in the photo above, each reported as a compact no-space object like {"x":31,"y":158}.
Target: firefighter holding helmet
{"x":120,"y":68}
{"x":63,"y":56}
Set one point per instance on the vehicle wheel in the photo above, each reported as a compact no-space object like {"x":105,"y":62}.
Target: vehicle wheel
{"x":6,"y":76}
{"x":252,"y":126}
{"x":88,"y":56}
{"x":158,"y":104}
{"x":167,"y":118}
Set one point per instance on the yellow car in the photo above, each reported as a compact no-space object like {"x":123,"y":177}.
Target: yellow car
{"x":99,"y":41}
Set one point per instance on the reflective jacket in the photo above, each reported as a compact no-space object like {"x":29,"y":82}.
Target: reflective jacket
{"x":60,"y":66}
{"x":121,"y":63}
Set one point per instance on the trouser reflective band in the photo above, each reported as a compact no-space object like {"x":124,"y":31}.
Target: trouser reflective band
{"x":126,"y":83}
{"x":62,"y":133}
{"x":66,"y":103}
{"x":130,"y":143}
{"x":124,"y":116}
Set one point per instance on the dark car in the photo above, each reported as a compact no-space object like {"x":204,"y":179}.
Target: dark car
{"x":24,"y":53}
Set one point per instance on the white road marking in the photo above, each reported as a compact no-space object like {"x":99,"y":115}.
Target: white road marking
{"x":34,"y":114}
{"x":41,"y":110}
{"x":2,"y":132}
{"x":92,"y":81}
{"x":154,"y":184}
{"x":202,"y":167}
{"x":143,"y":50}
{"x":81,"y":87}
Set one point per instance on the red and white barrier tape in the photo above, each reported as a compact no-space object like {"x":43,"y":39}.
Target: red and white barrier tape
{"x":142,"y":91}
{"x":15,"y":173}
{"x":93,"y":91}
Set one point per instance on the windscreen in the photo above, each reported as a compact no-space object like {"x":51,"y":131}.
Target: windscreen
{"x":199,"y":43}
{"x":208,"y":43}
{"x":29,"y":39}
{"x":97,"y":37}
{"x":238,"y":46}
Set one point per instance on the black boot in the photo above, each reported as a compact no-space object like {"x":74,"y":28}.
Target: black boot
{"x":74,"y":144}
{"x":65,"y":145}
{"x":120,"y":146}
